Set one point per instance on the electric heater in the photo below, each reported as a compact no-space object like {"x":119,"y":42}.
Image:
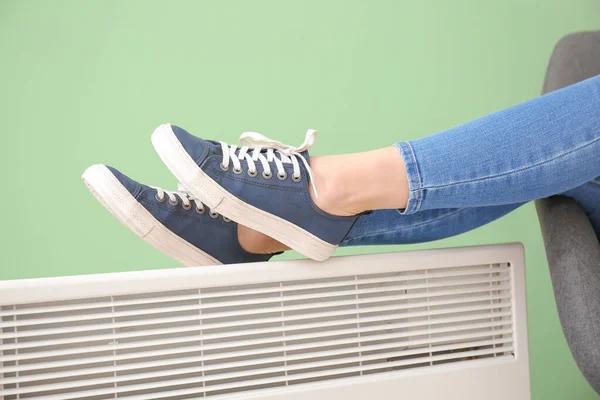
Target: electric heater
{"x":442,"y":324}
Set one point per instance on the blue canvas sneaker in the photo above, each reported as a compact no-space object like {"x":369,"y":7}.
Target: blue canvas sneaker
{"x":263,"y":185}
{"x":173,"y":222}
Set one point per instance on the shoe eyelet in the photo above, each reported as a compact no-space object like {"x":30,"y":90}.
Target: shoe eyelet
{"x":224,"y":168}
{"x":226,"y":219}
{"x":238,"y":171}
{"x":252,"y":173}
{"x":174,"y":203}
{"x":282,"y":177}
{"x":267,"y":175}
{"x":297,"y":178}
{"x":159,"y":199}
{"x":188,"y":207}
{"x":213,"y":214}
{"x":200,"y":210}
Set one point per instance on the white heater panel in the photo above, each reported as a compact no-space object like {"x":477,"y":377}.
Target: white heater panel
{"x":428,"y":324}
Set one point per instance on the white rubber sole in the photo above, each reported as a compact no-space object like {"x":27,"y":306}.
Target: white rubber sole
{"x":117,"y":199}
{"x":220,"y":200}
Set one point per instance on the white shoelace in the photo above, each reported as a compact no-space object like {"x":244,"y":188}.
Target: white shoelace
{"x":257,"y":142}
{"x":186,"y":199}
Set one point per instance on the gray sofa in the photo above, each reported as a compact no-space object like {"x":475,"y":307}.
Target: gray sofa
{"x":572,"y":246}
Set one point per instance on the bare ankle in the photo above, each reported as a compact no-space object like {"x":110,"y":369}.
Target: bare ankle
{"x":333,"y":196}
{"x":258,"y":243}
{"x":349,"y":184}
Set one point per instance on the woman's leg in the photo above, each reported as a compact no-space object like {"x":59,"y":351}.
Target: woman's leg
{"x":392,"y":227}
{"x":540,"y":148}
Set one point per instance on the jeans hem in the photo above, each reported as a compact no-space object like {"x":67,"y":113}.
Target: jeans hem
{"x":415,"y":193}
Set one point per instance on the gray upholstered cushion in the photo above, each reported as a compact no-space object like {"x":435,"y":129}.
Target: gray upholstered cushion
{"x":572,"y":247}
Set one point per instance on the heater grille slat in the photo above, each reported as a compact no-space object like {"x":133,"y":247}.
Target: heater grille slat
{"x":35,"y":309}
{"x":306,"y":297}
{"x":81,"y":363}
{"x":269,"y":358}
{"x":291,"y":338}
{"x":214,"y":340}
{"x":259,"y":311}
{"x":260,"y":321}
{"x":268,"y":339}
{"x":261,"y":371}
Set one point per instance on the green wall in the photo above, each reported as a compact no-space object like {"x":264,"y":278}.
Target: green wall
{"x":86,"y":82}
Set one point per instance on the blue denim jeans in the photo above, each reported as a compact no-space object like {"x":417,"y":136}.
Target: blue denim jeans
{"x":477,"y":172}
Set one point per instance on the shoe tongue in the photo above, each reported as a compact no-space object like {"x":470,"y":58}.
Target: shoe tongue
{"x":214,"y":149}
{"x":286,"y":159}
{"x":306,"y":156}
